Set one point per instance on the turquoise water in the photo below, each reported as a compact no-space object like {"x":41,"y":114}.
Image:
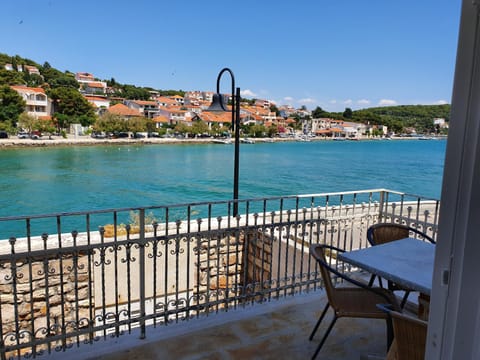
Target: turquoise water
{"x":51,"y":180}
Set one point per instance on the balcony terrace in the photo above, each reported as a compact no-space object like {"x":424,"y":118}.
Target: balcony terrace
{"x":274,"y":330}
{"x":125,"y":282}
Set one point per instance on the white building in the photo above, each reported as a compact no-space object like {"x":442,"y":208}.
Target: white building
{"x":37,"y":103}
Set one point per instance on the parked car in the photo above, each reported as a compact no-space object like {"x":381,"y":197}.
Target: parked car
{"x":121,"y":135}
{"x":3,"y":135}
{"x":23,"y":135}
{"x":35,"y":135}
{"x":98,"y":135}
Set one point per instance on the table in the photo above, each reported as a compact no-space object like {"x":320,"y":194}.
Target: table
{"x":406,"y":262}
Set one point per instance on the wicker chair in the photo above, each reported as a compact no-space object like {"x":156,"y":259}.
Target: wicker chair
{"x":382,"y":233}
{"x":356,"y":302}
{"x":410,"y":336}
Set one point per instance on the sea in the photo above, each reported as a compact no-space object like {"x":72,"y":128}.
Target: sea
{"x":83,"y":178}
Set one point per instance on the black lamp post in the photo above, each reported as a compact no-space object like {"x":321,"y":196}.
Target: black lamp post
{"x":218,"y":105}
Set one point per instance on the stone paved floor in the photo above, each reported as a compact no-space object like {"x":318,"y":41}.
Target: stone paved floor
{"x":276,"y":330}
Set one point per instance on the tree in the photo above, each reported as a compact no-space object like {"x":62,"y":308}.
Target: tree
{"x":27,"y":122}
{"x":30,"y":123}
{"x":56,"y":78}
{"x":72,"y":107}
{"x":11,"y":106}
{"x":273,"y":108}
{"x":199,"y":127}
{"x":257,"y":131}
{"x":110,"y":123}
{"x":182,"y":128}
{"x":137,"y":124}
{"x":33,"y":80}
{"x":318,"y":112}
{"x":10,"y":77}
{"x":348,"y":113}
{"x":272,"y":130}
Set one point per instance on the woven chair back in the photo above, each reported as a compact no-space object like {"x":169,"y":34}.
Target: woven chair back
{"x":384,"y":233}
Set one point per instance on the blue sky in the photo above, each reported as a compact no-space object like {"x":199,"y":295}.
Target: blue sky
{"x":328,"y":53}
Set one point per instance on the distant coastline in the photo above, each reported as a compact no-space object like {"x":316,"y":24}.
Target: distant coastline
{"x":88,"y":141}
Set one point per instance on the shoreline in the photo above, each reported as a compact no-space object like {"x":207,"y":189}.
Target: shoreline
{"x":88,"y":141}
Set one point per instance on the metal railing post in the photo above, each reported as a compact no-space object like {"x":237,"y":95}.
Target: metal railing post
{"x":381,"y":204}
{"x":142,"y":272}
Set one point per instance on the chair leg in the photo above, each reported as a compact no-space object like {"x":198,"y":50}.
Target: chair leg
{"x":319,"y":321}
{"x":404,"y":299}
{"x":372,"y":279}
{"x":389,"y":331}
{"x":325,"y":336}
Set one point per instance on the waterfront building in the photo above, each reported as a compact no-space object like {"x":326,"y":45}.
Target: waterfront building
{"x":37,"y":102}
{"x":122,"y":111}
{"x":148,"y":109}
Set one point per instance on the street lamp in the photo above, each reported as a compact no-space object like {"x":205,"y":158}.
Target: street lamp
{"x":218,"y":106}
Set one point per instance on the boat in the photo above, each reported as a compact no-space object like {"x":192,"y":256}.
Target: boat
{"x":222,"y":141}
{"x":247,"y":141}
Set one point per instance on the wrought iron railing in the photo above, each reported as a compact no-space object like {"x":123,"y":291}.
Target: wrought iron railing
{"x":73,"y":278}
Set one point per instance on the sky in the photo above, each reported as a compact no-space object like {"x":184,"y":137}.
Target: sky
{"x":328,"y":53}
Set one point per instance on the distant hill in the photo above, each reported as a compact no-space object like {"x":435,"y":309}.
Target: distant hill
{"x":51,"y":77}
{"x":399,"y":117}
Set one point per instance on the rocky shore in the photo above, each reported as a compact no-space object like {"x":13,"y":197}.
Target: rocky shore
{"x":88,"y":141}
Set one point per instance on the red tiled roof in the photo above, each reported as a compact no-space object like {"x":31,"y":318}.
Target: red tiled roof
{"x":144,"y":102}
{"x":122,"y":110}
{"x":221,"y":117}
{"x":95,"y":98}
{"x":28,"y":89}
{"x":166,"y":100}
{"x":95,"y":84}
{"x":160,"y":119}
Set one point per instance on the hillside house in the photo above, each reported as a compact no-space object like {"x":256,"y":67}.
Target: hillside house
{"x":148,"y":109}
{"x":122,"y":111}
{"x":37,"y":102}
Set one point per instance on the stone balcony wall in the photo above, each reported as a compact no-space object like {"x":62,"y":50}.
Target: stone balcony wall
{"x":44,"y":297}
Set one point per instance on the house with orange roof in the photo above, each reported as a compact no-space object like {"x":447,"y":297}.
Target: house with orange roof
{"x":178,"y":99}
{"x":37,"y":102}
{"x":175,"y":115}
{"x":160,"y":121}
{"x":98,"y":101}
{"x":122,"y":111}
{"x":84,"y":77}
{"x":94,"y":87}
{"x":88,"y":84}
{"x":265,"y":104}
{"x":32,"y":69}
{"x":192,"y":108}
{"x":149,"y":109}
{"x":250,"y":117}
{"x":165,"y":101}
{"x":210,"y":118}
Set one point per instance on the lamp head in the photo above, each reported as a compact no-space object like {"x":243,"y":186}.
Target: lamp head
{"x":217,"y":104}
